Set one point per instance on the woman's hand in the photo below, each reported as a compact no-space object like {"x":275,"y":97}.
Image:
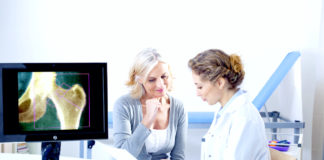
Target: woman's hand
{"x":152,"y":107}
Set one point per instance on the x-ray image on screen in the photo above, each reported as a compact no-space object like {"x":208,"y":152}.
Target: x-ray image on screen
{"x":53,"y":100}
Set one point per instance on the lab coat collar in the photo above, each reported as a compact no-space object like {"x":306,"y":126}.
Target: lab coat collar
{"x":229,"y":107}
{"x":228,"y":104}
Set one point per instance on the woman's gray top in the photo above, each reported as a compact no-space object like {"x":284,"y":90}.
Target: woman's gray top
{"x":130,"y":134}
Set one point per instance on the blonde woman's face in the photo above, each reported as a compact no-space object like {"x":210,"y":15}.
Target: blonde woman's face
{"x":157,"y":81}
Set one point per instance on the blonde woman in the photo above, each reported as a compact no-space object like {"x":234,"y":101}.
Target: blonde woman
{"x":237,"y":131}
{"x":148,"y":122}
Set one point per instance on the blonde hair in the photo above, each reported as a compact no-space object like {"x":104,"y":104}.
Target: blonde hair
{"x":144,"y":62}
{"x":214,"y":63}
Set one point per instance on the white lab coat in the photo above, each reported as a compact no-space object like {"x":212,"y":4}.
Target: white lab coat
{"x":237,"y":133}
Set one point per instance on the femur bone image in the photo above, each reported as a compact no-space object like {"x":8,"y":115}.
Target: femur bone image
{"x":69,"y":103}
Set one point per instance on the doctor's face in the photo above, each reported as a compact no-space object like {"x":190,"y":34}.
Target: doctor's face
{"x":206,"y":90}
{"x":157,"y":81}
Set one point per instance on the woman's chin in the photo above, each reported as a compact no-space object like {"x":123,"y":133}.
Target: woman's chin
{"x":160,"y":94}
{"x":210,"y":103}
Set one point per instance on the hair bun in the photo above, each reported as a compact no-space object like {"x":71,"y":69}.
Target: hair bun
{"x":236,"y":63}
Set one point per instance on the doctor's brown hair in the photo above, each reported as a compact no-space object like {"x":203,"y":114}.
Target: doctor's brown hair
{"x":214,"y":63}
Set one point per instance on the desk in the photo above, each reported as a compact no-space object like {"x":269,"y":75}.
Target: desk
{"x":104,"y":150}
{"x":17,"y":156}
{"x":294,"y":151}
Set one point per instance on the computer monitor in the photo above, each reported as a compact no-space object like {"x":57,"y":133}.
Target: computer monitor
{"x":53,"y":101}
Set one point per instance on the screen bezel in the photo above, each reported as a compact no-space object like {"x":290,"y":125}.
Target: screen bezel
{"x":9,"y":97}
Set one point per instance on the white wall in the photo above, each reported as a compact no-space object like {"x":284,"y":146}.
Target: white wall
{"x":318,"y":101}
{"x":262,"y":32}
{"x":318,"y":118}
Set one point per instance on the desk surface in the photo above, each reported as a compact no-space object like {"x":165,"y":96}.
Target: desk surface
{"x":17,"y":156}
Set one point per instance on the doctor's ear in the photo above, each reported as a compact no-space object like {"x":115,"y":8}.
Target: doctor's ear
{"x":221,"y":82}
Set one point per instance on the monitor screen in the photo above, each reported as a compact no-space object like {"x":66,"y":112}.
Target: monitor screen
{"x":53,"y":101}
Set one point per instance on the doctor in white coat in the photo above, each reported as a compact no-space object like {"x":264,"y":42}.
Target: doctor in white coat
{"x":237,"y":131}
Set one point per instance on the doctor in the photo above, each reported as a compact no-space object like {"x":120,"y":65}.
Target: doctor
{"x":237,"y":131}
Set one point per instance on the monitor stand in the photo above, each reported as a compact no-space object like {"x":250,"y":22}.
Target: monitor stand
{"x":91,"y":143}
{"x":51,"y":150}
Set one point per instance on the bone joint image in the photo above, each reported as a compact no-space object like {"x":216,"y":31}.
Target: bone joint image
{"x":52,"y":91}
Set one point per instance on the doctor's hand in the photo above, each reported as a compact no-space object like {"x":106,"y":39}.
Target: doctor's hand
{"x":151,"y":109}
